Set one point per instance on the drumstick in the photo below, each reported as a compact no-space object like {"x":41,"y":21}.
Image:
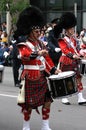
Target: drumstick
{"x":58,"y":66}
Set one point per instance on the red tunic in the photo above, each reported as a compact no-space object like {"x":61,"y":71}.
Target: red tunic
{"x":35,"y":91}
{"x":67,"y":63}
{"x":67,"y":49}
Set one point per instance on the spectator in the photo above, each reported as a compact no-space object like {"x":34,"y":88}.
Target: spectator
{"x":54,"y":50}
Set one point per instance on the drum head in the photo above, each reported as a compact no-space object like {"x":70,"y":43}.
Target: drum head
{"x":62,"y":75}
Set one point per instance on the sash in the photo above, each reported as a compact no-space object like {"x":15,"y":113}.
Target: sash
{"x":70,"y":43}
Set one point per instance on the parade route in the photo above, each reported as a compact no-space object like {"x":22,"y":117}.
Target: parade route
{"x":63,"y":117}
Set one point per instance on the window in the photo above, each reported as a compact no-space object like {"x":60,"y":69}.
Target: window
{"x":55,"y":4}
{"x":70,"y":5}
{"x":84,"y":4}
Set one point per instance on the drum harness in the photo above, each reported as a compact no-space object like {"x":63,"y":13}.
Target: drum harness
{"x":70,"y":44}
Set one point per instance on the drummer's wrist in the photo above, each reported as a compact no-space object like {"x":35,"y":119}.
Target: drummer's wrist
{"x":52,"y":71}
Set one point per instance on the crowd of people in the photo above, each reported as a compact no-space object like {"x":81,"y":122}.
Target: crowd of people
{"x":44,"y":50}
{"x":5,"y":48}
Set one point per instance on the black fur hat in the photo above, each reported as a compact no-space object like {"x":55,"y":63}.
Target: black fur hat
{"x":67,"y":20}
{"x":29,"y":18}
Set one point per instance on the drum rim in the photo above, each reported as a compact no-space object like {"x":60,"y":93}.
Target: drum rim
{"x":72,"y":74}
{"x":83,"y":61}
{"x":65,"y":96}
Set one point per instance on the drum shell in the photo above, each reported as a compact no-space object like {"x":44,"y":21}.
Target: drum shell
{"x":84,"y":39}
{"x":1,"y":72}
{"x":83,"y":67}
{"x":63,"y":87}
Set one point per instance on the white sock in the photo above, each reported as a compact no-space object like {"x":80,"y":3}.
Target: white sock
{"x":45,"y":125}
{"x":80,"y":97}
{"x":26,"y":125}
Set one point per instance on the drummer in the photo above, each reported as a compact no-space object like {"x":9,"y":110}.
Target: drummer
{"x":69,"y":61}
{"x":35,"y":58}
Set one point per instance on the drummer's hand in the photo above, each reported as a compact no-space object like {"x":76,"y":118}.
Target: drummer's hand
{"x":43,"y":52}
{"x":58,"y":71}
{"x":76,"y":56}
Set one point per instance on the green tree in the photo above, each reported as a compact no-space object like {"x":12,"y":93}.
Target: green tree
{"x":14,"y":6}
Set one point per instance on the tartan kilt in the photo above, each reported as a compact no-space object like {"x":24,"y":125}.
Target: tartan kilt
{"x":71,"y":67}
{"x":36,"y":93}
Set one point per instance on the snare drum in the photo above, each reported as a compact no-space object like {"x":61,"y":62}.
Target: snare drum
{"x":83,"y":67}
{"x":63,"y":84}
{"x":1,"y":72}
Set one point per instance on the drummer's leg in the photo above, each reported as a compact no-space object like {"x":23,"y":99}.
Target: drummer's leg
{"x":45,"y":116}
{"x":26,"y":118}
{"x":81,"y":99}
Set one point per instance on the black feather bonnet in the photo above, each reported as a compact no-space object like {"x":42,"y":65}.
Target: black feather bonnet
{"x":29,"y":18}
{"x":67,"y":20}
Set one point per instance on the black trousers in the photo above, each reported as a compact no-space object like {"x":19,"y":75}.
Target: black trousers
{"x":16,"y":65}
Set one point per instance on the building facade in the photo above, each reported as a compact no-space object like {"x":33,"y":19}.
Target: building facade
{"x":54,"y":8}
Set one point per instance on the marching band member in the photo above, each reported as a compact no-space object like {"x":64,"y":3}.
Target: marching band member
{"x":36,"y":61}
{"x":69,"y":61}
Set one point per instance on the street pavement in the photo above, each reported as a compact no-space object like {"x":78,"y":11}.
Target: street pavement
{"x":62,"y":117}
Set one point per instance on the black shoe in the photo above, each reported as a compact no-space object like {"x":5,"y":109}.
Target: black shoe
{"x":82,"y":103}
{"x":67,"y":103}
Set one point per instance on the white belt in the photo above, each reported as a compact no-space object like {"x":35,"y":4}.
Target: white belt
{"x":34,"y":67}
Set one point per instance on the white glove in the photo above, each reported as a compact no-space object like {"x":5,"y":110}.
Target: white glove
{"x":13,"y":41}
{"x":57,"y":49}
{"x":19,"y":56}
{"x":6,"y":54}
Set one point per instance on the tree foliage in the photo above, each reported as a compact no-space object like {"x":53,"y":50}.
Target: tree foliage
{"x":14,"y":6}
